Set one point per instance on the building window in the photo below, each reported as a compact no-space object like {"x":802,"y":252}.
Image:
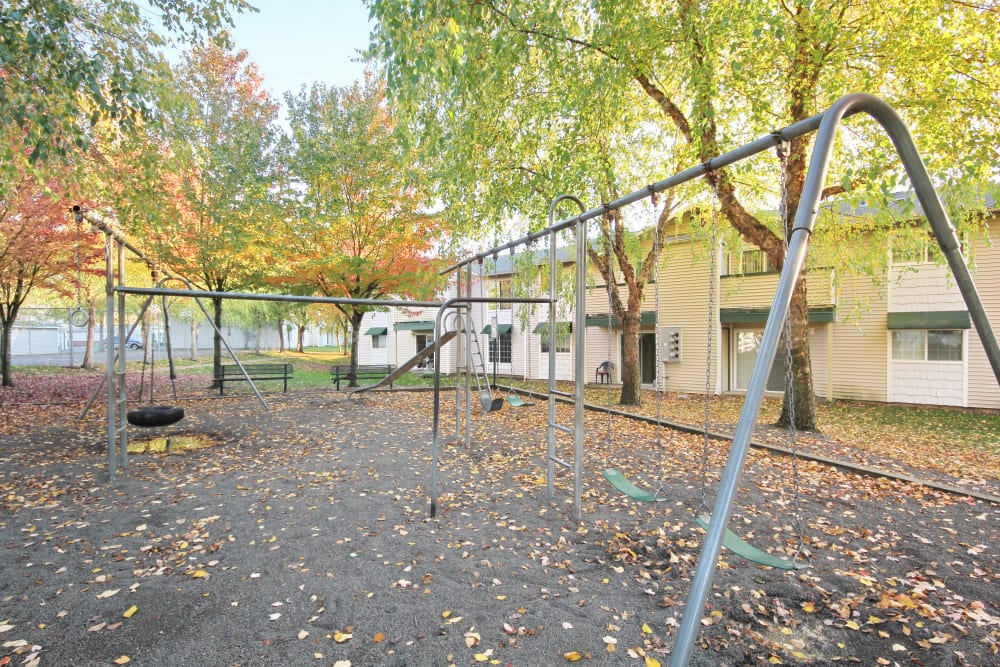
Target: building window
{"x":500,"y":348}
{"x":927,"y":345}
{"x":501,"y":289}
{"x":379,"y":342}
{"x":749,"y":260}
{"x":747,"y":342}
{"x":562,"y":341}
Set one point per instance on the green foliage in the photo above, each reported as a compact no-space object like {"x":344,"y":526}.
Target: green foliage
{"x":65,"y":65}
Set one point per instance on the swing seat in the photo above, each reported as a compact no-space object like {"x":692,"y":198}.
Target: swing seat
{"x":516,"y":401}
{"x":623,"y":484}
{"x":742,"y":548}
{"x":155,"y":415}
{"x":490,"y":404}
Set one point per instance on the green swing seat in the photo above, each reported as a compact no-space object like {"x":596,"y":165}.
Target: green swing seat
{"x":625,"y":485}
{"x":516,"y":401}
{"x":730,"y":540}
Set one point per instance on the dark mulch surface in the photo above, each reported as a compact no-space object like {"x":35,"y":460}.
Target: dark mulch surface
{"x":302,"y":537}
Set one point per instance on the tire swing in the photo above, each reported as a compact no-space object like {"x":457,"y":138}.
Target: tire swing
{"x":156,"y":415}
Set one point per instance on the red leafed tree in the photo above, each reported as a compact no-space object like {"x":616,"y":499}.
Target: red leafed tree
{"x":38,"y":244}
{"x":361,"y":228}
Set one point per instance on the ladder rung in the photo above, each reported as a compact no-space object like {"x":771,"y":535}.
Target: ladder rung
{"x":564,"y":464}
{"x":560,"y":427}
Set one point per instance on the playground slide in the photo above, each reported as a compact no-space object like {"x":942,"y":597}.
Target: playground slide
{"x":407,"y":365}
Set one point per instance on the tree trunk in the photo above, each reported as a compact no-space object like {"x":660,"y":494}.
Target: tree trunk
{"x":355,"y":337}
{"x":803,"y":402}
{"x":217,"y":342}
{"x":301,"y":338}
{"x":5,"y":368}
{"x":194,"y":339}
{"x":631,"y":372}
{"x":281,"y":336}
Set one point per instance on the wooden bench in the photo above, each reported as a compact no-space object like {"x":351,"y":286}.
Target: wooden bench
{"x":365,"y":372}
{"x":257,"y":373}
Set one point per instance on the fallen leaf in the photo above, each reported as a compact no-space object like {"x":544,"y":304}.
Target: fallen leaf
{"x":108,"y":593}
{"x":573,"y":656}
{"x":123,"y":660}
{"x":130,"y":612}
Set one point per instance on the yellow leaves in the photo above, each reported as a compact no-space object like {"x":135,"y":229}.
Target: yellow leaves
{"x":573,"y":656}
{"x":651,"y":662}
{"x":199,"y":574}
{"x":809,"y":607}
{"x":123,"y":660}
{"x":341,"y":637}
{"x":712,"y":618}
{"x":379,"y":637}
{"x":130,"y":612}
{"x":853,"y":625}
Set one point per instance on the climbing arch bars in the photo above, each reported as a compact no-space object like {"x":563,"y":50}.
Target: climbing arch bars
{"x":827,"y":124}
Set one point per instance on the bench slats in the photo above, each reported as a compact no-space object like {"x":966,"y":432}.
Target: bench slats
{"x":257,"y":372}
{"x":342,"y":372}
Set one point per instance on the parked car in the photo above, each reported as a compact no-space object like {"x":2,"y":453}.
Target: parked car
{"x":134,"y":342}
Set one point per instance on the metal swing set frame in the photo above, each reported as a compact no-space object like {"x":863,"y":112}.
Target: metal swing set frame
{"x":826,"y":125}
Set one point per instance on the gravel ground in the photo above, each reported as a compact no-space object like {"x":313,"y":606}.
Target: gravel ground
{"x":301,"y":536}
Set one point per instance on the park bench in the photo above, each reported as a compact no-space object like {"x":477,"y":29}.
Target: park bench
{"x":365,"y":372}
{"x":257,"y":373}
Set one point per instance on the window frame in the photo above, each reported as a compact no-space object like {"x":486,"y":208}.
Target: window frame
{"x":928,"y":350}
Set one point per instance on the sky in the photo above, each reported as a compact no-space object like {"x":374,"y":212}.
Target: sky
{"x":297,"y":42}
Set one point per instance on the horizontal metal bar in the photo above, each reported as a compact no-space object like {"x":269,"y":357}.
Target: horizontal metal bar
{"x":564,"y":464}
{"x":564,"y":394}
{"x":767,"y":141}
{"x":560,"y":427}
{"x":251,"y":296}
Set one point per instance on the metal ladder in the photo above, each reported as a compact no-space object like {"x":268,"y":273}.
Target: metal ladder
{"x":489,"y":402}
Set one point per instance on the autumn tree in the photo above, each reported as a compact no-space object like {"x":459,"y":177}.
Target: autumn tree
{"x":361,"y":228}
{"x":208,"y":211}
{"x":37,"y":250}
{"x":65,"y":65}
{"x":711,"y":74}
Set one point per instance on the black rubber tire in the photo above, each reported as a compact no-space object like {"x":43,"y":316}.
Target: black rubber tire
{"x":155,"y":415}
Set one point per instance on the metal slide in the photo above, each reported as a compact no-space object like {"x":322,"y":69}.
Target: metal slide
{"x":408,"y":364}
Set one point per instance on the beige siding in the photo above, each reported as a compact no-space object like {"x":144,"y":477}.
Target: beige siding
{"x":684,"y":303}
{"x":984,"y":392}
{"x":860,"y":342}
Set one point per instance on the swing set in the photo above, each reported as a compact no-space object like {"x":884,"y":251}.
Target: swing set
{"x":731,"y":540}
{"x":715,"y":522}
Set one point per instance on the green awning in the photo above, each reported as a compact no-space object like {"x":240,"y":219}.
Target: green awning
{"x":377,"y":331}
{"x":817,"y":315}
{"x":542,"y":328}
{"x":414,"y":326}
{"x":502,"y":329}
{"x":941,"y":319}
{"x":646,"y":317}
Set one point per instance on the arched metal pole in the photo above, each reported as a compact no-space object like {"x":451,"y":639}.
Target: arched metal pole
{"x":798,"y":242}
{"x":579,"y":348}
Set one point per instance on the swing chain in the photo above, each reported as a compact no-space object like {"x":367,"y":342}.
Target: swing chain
{"x":783,"y":150}
{"x":79,"y":317}
{"x":661,"y":491}
{"x":712,"y":268}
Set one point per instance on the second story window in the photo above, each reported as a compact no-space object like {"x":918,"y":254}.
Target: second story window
{"x":501,"y":288}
